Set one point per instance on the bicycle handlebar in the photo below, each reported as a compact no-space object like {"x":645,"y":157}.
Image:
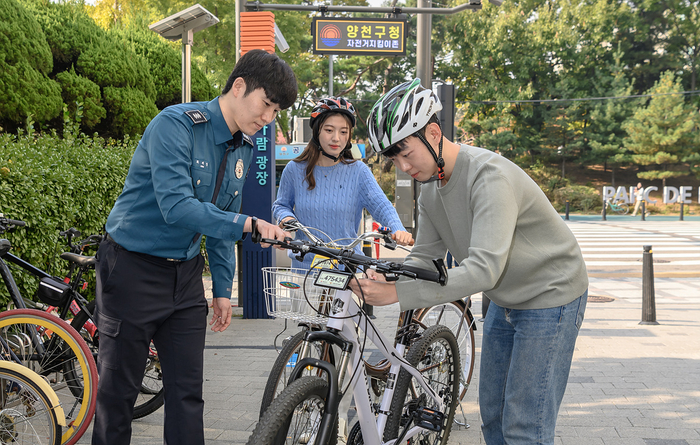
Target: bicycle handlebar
{"x":8,"y":223}
{"x":350,"y":257}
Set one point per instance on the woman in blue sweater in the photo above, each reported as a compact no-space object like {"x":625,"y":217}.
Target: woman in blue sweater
{"x":326,"y":189}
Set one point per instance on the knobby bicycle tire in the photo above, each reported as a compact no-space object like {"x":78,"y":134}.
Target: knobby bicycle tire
{"x":27,"y":415}
{"x":436,"y":356}
{"x":285,"y":362}
{"x":151,"y":396}
{"x":46,"y":344}
{"x":294,"y":416}
{"x":454,"y":313}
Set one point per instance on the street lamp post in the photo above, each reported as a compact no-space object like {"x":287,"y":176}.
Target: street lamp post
{"x":183,"y":25}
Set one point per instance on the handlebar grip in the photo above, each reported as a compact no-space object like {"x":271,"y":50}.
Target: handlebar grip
{"x":16,"y":222}
{"x":423,"y":274}
{"x":410,"y":244}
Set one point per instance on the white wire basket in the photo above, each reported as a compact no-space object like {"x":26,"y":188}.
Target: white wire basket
{"x":284,"y":295}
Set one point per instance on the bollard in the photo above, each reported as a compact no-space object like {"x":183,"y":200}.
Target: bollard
{"x":567,"y":210}
{"x":644,"y":210}
{"x":648,"y":299}
{"x":605,"y":206}
{"x":367,"y":250}
{"x":681,"y":210}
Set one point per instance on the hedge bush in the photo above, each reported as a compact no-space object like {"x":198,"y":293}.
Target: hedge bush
{"x":130,"y":111}
{"x":25,"y":65}
{"x":53,"y":54}
{"x":109,"y":64}
{"x":581,"y":198}
{"x":54,"y":183}
{"x":165,"y":59}
{"x":81,"y":90}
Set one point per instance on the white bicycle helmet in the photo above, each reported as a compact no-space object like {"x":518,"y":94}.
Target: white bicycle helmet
{"x":400,"y":113}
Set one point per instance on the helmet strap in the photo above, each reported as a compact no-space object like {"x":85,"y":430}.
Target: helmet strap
{"x":323,"y":152}
{"x":438,"y":158}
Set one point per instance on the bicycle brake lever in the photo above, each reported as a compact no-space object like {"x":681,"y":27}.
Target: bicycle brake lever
{"x":389,"y":242}
{"x":391,"y":277}
{"x":442,"y":270}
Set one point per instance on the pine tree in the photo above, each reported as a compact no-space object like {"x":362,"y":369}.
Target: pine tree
{"x":663,"y":133}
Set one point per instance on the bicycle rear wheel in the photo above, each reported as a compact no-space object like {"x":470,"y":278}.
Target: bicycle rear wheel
{"x":27,"y":415}
{"x":285,"y":363}
{"x":436,"y":356}
{"x":49,"y":346}
{"x":461,"y":323}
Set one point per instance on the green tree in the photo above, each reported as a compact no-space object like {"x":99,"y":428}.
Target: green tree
{"x":165,"y":62}
{"x":506,"y":53}
{"x":606,"y":134}
{"x":664,"y":132}
{"x":25,"y":66}
{"x":680,"y":19}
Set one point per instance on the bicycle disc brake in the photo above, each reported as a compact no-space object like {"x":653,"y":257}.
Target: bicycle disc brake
{"x":355,"y":436}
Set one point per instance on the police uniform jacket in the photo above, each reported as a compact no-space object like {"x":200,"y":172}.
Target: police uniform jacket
{"x":166,"y":205}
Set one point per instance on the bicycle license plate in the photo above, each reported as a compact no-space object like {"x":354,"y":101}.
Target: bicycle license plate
{"x":333,"y":279}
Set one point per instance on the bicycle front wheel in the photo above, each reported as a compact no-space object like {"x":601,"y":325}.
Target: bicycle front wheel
{"x":285,"y":363}
{"x":27,"y":415}
{"x":49,"y":346}
{"x":436,"y":356}
{"x":295,"y":415}
{"x":456,"y":316}
{"x":150,"y":397}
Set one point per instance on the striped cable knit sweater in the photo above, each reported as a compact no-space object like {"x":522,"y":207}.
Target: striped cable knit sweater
{"x":335,"y":204}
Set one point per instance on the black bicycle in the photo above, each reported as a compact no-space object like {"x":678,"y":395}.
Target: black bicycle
{"x":63,"y":297}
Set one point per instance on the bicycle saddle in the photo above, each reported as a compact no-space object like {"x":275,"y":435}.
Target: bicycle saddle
{"x":5,"y":246}
{"x":80,"y":260}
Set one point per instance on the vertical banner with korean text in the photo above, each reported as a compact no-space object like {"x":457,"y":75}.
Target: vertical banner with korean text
{"x":258,"y":196}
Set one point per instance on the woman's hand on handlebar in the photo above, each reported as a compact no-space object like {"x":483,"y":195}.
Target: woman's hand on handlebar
{"x":266,"y":231}
{"x":403,"y":238}
{"x":376,"y":293}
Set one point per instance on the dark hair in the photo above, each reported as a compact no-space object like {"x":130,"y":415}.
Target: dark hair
{"x":261,"y":69}
{"x":395,"y":149}
{"x":313,"y":149}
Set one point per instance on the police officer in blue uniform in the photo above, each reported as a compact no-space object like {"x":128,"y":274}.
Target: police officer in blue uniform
{"x":185,"y":181}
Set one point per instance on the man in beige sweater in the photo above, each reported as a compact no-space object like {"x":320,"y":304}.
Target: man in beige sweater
{"x":510,"y":244}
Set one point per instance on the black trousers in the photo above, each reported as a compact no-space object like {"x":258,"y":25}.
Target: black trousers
{"x":141,"y":297}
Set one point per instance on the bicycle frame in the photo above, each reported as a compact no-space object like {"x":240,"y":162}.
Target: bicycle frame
{"x":372,"y":426}
{"x":16,"y":296}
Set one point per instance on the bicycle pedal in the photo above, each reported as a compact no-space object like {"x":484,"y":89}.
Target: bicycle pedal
{"x":429,"y":419}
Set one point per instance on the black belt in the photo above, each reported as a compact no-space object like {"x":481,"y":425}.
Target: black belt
{"x":149,"y":257}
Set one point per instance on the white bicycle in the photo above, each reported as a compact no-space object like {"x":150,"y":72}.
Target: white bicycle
{"x":422,"y":390}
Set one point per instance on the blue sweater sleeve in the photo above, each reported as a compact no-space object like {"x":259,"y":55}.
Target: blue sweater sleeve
{"x":284,"y":204}
{"x":376,"y":202}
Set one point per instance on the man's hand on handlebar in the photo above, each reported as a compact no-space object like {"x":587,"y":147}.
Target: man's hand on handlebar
{"x":375,"y":290}
{"x":403,"y":238}
{"x":266,"y":231}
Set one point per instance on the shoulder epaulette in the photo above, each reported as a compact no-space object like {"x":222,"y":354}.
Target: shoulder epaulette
{"x":196,"y":116}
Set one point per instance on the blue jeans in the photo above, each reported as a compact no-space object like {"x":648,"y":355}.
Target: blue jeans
{"x":525,"y":361}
